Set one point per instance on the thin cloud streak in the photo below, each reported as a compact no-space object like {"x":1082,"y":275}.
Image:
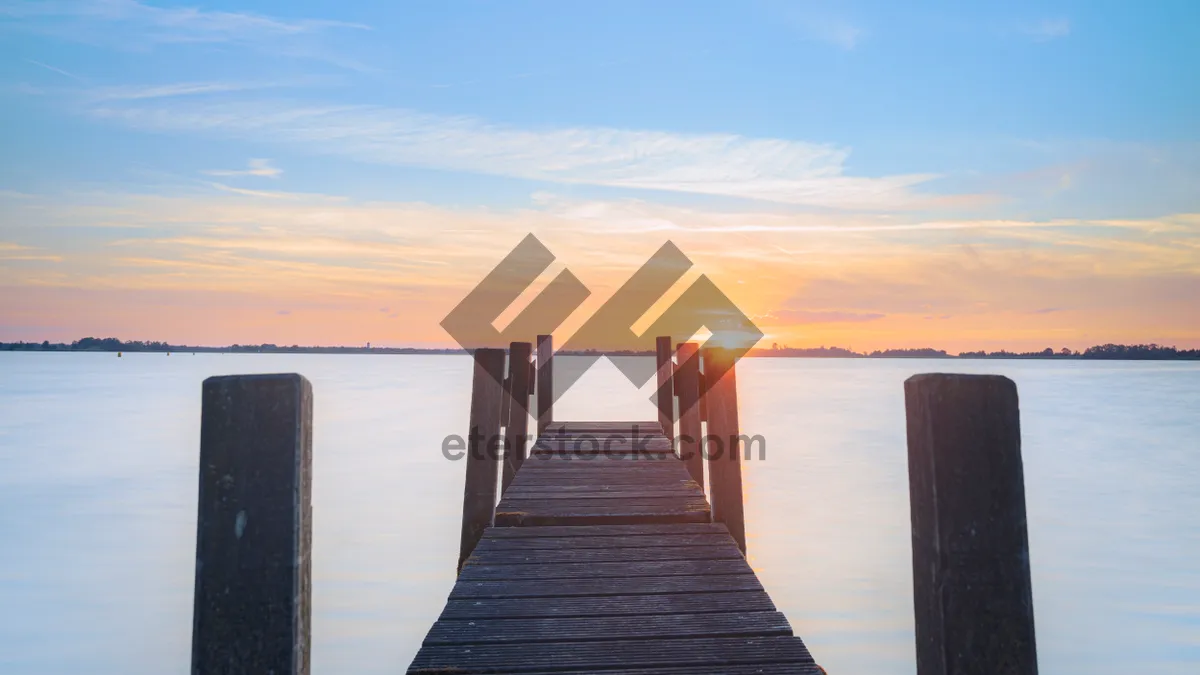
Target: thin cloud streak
{"x":55,"y":69}
{"x":725,"y":165}
{"x":256,"y":167}
{"x":171,"y":24}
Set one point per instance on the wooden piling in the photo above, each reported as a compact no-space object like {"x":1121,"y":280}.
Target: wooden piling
{"x":516,"y":424}
{"x":252,"y":602}
{"x":666,"y":392}
{"x":545,"y":381}
{"x":687,"y":388}
{"x":483,"y":446}
{"x":972,"y":594}
{"x":724,"y":461}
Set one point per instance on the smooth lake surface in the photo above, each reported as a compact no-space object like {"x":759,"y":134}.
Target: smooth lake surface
{"x":98,"y":480}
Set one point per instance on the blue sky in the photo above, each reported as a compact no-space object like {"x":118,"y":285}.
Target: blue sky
{"x":918,"y":112}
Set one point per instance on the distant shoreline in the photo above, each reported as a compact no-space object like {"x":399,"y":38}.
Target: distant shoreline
{"x":1108,"y":352}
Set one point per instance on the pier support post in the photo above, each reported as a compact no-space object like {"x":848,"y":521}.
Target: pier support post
{"x":516,"y":425}
{"x":971,"y":588}
{"x":666,"y":391}
{"x":687,"y":387}
{"x":724,"y":461}
{"x":545,"y":382}
{"x":483,"y":448}
{"x":252,"y":602}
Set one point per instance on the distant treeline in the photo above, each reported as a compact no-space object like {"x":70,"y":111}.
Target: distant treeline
{"x":1108,"y":351}
{"x":1100,"y":352}
{"x":91,"y":344}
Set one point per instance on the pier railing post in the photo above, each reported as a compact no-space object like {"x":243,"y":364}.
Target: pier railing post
{"x":483,"y":448}
{"x":724,"y":455}
{"x":252,"y":604}
{"x":687,"y":387}
{"x":666,"y":391}
{"x":545,"y":382}
{"x":972,"y":594}
{"x":516,"y":425}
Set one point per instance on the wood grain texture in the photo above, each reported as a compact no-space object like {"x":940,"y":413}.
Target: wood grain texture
{"x":714,"y":653}
{"x":608,"y":562}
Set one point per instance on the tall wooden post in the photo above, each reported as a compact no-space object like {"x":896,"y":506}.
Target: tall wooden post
{"x":516,"y":426}
{"x":252,"y":603}
{"x":545,"y":381}
{"x":666,"y":390}
{"x":724,"y":462}
{"x":687,"y":388}
{"x":483,"y":447}
{"x":972,"y":594}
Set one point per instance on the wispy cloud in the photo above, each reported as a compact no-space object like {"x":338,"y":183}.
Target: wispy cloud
{"x":727,"y":165}
{"x":55,"y":69}
{"x":1045,"y":30}
{"x":255,"y":167}
{"x":170,"y":24}
{"x":136,"y":26}
{"x":141,"y":92}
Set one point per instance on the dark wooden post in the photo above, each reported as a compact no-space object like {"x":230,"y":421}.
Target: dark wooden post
{"x":972,"y":594}
{"x":666,"y":390}
{"x":483,"y":447}
{"x":545,"y":381}
{"x":687,"y":387}
{"x":516,"y":426}
{"x":252,"y":603}
{"x":725,"y":461}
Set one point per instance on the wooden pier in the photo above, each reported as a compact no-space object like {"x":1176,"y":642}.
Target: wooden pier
{"x":602,"y":554}
{"x":610,"y":547}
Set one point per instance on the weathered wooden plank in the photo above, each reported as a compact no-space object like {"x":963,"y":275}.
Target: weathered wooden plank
{"x":599,"y":517}
{"x":601,"y":473}
{"x":585,"y":629}
{"x":630,"y":492}
{"x":713,"y":653}
{"x":805,"y":668}
{"x":601,"y":443}
{"x":543,"y":460}
{"x":690,"y":488}
{"x":598,"y":542}
{"x":549,"y":588}
{"x":473,"y":571}
{"x":603,"y":424}
{"x":603,"y":480}
{"x":609,"y":605}
{"x":610,"y":530}
{"x":492,"y":555}
{"x":584,"y":503}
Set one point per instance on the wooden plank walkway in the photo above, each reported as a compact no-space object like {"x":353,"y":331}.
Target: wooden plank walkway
{"x":604,"y":558}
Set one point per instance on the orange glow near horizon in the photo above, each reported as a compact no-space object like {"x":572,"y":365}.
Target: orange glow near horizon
{"x":249,"y":270}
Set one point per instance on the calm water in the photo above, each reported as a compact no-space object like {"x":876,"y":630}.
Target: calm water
{"x":98,"y":467}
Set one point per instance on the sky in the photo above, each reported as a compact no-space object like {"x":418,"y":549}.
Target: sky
{"x":861,"y":174}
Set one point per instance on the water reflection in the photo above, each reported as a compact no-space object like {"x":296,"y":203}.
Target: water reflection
{"x":98,"y":489}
